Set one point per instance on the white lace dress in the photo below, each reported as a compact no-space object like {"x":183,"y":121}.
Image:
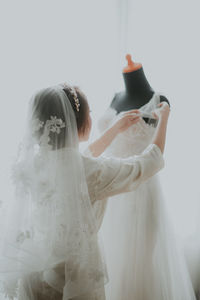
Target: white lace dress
{"x":105,"y":177}
{"x":142,"y":258}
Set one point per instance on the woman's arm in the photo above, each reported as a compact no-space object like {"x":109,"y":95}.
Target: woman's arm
{"x":162,"y":113}
{"x":100,"y":145}
{"x":107,"y":177}
{"x":127,"y":119}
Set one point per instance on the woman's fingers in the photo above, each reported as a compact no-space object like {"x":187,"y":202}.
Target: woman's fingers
{"x":132,"y":116}
{"x":126,"y":121}
{"x":163,"y":104}
{"x":155,"y":115}
{"x":133,"y":119}
{"x":162,"y":108}
{"x":132,"y":111}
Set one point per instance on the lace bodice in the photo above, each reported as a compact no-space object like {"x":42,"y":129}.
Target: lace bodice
{"x":136,"y":138}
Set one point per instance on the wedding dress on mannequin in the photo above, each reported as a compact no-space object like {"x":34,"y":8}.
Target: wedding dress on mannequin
{"x":143,"y":260}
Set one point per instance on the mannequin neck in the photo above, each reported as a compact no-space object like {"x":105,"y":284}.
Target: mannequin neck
{"x":136,"y":82}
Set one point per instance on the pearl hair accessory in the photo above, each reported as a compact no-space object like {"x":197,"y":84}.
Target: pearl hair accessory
{"x":74,"y":94}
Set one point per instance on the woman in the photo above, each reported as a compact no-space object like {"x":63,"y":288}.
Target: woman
{"x":49,"y":249}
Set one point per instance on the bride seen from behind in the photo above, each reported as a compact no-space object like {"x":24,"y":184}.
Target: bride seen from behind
{"x":49,"y":245}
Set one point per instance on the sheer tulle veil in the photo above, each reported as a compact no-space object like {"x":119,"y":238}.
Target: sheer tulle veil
{"x":49,"y":220}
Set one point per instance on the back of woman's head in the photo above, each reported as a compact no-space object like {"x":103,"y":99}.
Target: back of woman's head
{"x":56,"y":113}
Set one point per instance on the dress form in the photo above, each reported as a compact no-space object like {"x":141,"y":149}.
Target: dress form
{"x":137,"y":91}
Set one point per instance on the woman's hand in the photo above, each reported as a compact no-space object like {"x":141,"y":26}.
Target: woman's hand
{"x":127,"y":119}
{"x":163,"y":110}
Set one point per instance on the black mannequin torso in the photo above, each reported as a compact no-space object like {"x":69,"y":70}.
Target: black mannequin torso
{"x":137,"y":93}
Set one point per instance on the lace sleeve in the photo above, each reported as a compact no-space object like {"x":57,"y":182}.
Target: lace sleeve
{"x":114,"y":176}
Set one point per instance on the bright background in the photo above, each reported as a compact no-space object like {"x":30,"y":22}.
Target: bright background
{"x":84,"y":42}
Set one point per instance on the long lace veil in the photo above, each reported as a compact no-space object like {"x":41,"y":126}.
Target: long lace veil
{"x":50,"y":221}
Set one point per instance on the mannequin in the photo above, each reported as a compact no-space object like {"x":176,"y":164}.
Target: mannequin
{"x":137,"y":89}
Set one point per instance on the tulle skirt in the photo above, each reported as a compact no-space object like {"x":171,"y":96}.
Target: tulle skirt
{"x":143,"y":256}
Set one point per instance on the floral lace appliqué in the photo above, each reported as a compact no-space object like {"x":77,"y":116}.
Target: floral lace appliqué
{"x":53,"y":124}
